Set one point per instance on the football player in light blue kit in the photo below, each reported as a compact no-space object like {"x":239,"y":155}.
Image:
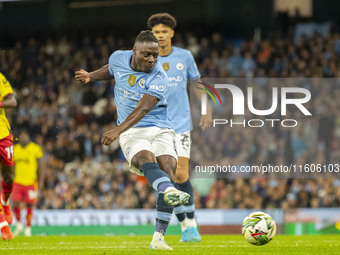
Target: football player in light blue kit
{"x":181,"y":69}
{"x":144,"y":130}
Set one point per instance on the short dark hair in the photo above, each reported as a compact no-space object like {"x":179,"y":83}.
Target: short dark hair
{"x":146,"y":36}
{"x":162,"y":18}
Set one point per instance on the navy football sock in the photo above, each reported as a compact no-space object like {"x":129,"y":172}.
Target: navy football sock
{"x":164,"y":212}
{"x":161,"y":226}
{"x":191,"y":214}
{"x":158,"y":179}
{"x":180,"y":213}
{"x":189,"y":208}
{"x":179,"y":209}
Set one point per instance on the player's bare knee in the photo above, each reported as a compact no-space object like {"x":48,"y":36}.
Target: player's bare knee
{"x":8,"y":177}
{"x":169,"y":171}
{"x":171,"y":176}
{"x":168,"y":164}
{"x":141,"y":158}
{"x":172,"y":172}
{"x":181,"y":177}
{"x":7,"y":173}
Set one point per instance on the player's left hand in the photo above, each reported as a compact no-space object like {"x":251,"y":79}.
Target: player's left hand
{"x":110,"y":136}
{"x":82,"y":77}
{"x":206,"y":121}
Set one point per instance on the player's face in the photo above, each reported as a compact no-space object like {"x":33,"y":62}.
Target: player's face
{"x":145,"y":56}
{"x":163,"y":34}
{"x":24,"y":138}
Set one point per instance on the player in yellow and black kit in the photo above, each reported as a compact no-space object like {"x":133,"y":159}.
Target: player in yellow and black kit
{"x":25,"y":188}
{"x":7,"y":100}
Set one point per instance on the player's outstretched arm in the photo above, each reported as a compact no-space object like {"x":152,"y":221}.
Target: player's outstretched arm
{"x":143,"y":107}
{"x":9,"y":102}
{"x":84,"y":77}
{"x":206,"y":120}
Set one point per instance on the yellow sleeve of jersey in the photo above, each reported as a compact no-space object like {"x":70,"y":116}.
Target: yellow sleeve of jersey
{"x":5,"y":86}
{"x":38,"y":151}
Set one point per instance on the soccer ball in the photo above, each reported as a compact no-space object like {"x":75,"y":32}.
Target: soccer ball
{"x":258,"y":228}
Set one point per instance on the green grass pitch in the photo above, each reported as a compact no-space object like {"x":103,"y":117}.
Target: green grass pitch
{"x":325,"y":244}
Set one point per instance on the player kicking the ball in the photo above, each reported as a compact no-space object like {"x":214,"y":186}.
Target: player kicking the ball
{"x":144,"y":129}
{"x":180,"y":67}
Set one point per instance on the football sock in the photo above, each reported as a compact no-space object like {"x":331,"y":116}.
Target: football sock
{"x":157,"y":235}
{"x":163,"y":217}
{"x":3,"y":200}
{"x":161,"y":226}
{"x":7,"y":190}
{"x":180,"y":213}
{"x":191,"y":222}
{"x":29,"y":216}
{"x":2,"y":216}
{"x":17,"y":213}
{"x":158,"y":179}
{"x":3,"y":222}
{"x":184,"y":224}
{"x":189,"y":208}
{"x":191,"y":215}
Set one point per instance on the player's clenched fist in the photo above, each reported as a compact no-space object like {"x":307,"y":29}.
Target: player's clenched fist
{"x":110,"y":136}
{"x":82,"y":77}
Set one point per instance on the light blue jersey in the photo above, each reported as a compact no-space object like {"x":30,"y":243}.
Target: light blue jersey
{"x":179,"y":66}
{"x":132,"y":85}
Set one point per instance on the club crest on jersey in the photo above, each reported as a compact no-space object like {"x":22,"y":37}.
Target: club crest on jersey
{"x":132,"y":80}
{"x":141,"y":83}
{"x":166,"y":66}
{"x":180,"y":66}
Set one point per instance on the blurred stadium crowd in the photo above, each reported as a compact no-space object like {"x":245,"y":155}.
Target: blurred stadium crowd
{"x":67,"y":120}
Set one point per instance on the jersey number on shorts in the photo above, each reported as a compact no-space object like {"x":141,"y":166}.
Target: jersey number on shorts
{"x":9,"y":151}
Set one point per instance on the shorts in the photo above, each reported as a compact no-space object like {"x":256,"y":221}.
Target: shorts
{"x":159,"y":141}
{"x":27,"y":194}
{"x":6,"y":150}
{"x":183,"y":144}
